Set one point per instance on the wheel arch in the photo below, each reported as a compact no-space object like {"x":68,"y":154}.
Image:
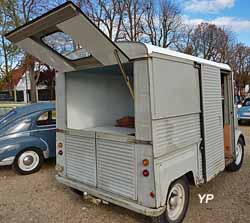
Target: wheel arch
{"x":13,"y":146}
{"x":239,"y":135}
{"x":186,"y":180}
{"x":169,"y":170}
{"x":189,"y":176}
{"x":27,"y":148}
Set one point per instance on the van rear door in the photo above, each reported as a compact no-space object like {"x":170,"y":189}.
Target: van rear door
{"x":66,"y":39}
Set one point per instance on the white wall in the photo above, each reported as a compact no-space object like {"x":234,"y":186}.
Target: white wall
{"x":96,"y":98}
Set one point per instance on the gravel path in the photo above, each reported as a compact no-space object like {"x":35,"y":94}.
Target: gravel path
{"x":39,"y":198}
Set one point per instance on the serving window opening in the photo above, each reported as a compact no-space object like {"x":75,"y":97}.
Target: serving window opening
{"x":100,"y":100}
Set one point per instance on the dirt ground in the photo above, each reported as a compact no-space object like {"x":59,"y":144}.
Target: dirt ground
{"x":39,"y":198}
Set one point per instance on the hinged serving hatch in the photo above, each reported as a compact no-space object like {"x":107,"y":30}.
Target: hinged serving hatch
{"x":67,"y":39}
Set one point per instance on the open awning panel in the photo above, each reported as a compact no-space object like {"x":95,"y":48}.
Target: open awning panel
{"x":82,"y":32}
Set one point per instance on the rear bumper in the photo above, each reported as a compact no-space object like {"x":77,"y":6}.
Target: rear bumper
{"x":114,"y":199}
{"x":7,"y":161}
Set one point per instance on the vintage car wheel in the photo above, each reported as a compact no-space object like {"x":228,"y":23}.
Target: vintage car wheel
{"x":237,"y":163}
{"x":28,"y":161}
{"x":177,"y":202}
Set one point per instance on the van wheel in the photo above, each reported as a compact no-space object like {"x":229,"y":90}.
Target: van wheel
{"x":177,"y":203}
{"x":28,"y":161}
{"x":237,"y":163}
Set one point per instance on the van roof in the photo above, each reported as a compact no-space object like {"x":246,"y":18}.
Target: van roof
{"x":137,"y":50}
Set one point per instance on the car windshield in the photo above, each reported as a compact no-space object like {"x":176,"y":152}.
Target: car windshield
{"x":246,"y":102}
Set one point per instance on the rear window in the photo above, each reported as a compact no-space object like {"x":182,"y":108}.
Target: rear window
{"x":47,"y":118}
{"x":43,"y":119}
{"x":63,"y":44}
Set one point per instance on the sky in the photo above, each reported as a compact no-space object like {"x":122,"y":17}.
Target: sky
{"x":231,"y":14}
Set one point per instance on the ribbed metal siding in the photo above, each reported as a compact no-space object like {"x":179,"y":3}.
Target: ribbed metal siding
{"x":213,"y":120}
{"x":116,"y":168}
{"x":175,"y":133}
{"x":80,"y":159}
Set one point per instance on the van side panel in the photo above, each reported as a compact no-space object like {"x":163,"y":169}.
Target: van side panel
{"x":174,"y":89}
{"x":176,"y":150}
{"x":171,"y":167}
{"x":175,"y":134}
{"x":175,"y":105}
{"x":213,"y":120}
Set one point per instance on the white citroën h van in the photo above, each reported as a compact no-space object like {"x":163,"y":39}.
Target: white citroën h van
{"x":184,"y":130}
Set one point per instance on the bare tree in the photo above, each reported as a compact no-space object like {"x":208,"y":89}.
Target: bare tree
{"x":209,"y":41}
{"x":183,"y":41}
{"x":132,"y":21}
{"x":162,"y":22}
{"x":112,"y":17}
{"x":106,"y":14}
{"x":240,"y":63}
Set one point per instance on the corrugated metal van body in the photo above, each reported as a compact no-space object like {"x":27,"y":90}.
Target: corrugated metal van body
{"x":176,"y":133}
{"x":213,"y":120}
{"x":105,"y":164}
{"x":117,"y":167}
{"x":175,"y":106}
{"x":81,"y":158}
{"x":175,"y":102}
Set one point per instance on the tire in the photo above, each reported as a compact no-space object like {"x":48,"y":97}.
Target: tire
{"x":175,"y":214}
{"x":28,"y":161}
{"x":237,"y":163}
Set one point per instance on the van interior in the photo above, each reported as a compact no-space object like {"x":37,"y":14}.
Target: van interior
{"x":99,"y":100}
{"x":228,"y":118}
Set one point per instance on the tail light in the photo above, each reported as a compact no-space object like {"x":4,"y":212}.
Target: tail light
{"x":145,"y":162}
{"x":152,"y":194}
{"x":145,"y":173}
{"x":60,"y":145}
{"x":60,"y":152}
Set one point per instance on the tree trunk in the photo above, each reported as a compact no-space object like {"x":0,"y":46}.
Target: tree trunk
{"x":33,"y":84}
{"x":15,"y":94}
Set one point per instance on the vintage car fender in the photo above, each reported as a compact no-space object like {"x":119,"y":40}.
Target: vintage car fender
{"x":239,"y":134}
{"x":11,"y":146}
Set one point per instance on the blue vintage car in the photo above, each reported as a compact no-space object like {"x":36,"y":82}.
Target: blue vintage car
{"x":243,"y":114}
{"x":28,"y":136}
